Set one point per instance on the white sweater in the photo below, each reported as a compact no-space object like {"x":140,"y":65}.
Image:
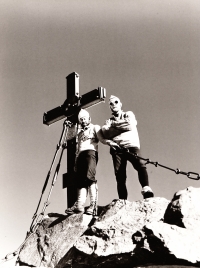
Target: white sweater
{"x":87,"y":138}
{"x":122,"y":130}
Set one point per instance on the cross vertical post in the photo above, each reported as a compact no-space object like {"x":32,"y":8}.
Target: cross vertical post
{"x":72,"y":92}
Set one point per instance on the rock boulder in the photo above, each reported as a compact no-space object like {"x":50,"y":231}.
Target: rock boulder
{"x":149,"y":232}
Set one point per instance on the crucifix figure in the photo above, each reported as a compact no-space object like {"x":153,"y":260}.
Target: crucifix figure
{"x":70,"y":109}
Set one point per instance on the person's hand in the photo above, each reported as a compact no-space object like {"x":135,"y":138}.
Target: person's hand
{"x":112,"y":144}
{"x":112,"y":123}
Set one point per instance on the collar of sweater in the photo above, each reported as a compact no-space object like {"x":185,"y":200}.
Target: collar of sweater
{"x":119,"y":115}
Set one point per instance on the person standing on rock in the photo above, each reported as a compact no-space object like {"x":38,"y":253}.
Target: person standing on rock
{"x":85,"y":165}
{"x":121,"y":134}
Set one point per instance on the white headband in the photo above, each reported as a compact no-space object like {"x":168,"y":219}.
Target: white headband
{"x":83,"y":113}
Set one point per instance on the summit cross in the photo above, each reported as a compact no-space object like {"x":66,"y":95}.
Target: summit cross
{"x":69,"y":110}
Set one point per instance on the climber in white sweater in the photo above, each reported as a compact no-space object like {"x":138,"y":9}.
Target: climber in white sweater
{"x":85,"y":165}
{"x":120,"y":132}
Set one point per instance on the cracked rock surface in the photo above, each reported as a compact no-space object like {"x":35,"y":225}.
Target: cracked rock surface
{"x":149,"y":232}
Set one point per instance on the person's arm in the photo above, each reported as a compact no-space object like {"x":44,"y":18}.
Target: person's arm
{"x":101,"y":138}
{"x":99,"y":134}
{"x":126,"y":124}
{"x":109,"y":131}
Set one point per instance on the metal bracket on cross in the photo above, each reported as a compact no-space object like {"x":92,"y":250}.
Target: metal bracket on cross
{"x":70,"y":109}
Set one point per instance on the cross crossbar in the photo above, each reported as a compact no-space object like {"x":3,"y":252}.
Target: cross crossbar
{"x":71,"y":105}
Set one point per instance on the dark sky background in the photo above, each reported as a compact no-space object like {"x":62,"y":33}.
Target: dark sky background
{"x":145,"y":52}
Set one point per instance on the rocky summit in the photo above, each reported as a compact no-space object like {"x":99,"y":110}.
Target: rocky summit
{"x":151,"y":232}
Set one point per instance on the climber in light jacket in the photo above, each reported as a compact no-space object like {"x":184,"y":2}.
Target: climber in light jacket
{"x":121,"y":134}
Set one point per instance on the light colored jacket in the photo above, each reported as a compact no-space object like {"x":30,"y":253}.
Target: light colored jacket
{"x":87,"y":138}
{"x":122,"y":130}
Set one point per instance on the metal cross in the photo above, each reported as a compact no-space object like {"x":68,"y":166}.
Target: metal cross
{"x":70,"y":109}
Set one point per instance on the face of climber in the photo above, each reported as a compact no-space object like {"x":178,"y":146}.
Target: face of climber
{"x":115,"y":105}
{"x":84,"y":121}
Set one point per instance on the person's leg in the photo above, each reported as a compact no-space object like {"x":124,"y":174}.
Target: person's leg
{"x":140,"y":166}
{"x":82,"y":196}
{"x":78,"y":206}
{"x":92,"y":159}
{"x":93,"y":193}
{"x":119,"y":163}
{"x":82,"y":190}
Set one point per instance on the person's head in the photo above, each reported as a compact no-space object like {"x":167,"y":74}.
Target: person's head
{"x":115,"y":104}
{"x":84,"y":118}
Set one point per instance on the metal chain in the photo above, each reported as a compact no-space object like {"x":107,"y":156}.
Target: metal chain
{"x":191,"y":175}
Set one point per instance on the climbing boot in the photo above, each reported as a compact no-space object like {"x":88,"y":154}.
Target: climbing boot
{"x":93,"y":193}
{"x":92,"y":209}
{"x":76,"y":208}
{"x":78,"y":205}
{"x":147,"y":192}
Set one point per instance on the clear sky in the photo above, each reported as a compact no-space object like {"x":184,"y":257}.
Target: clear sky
{"x":145,"y":52}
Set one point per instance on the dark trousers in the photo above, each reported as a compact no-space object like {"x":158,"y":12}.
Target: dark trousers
{"x":120,"y":159}
{"x":86,"y":168}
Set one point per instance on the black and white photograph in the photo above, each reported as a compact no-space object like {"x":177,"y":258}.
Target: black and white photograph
{"x":100,"y":133}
